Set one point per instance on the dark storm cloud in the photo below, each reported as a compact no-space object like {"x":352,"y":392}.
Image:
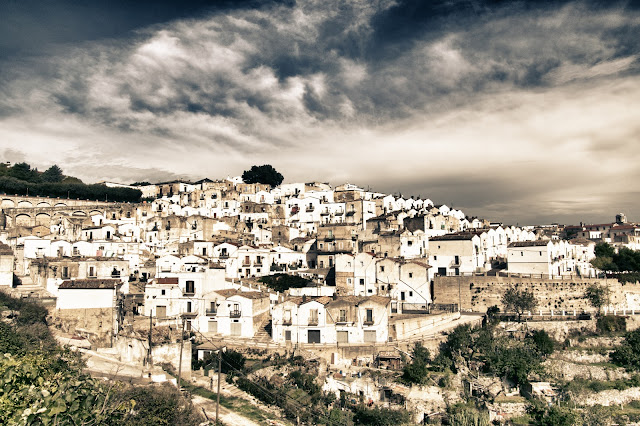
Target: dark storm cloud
{"x":32,"y":26}
{"x":490,"y":105}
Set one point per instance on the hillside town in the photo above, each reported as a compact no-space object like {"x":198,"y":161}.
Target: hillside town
{"x":349,"y":282}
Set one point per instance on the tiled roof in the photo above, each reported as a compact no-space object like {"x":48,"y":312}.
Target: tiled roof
{"x":89,"y":284}
{"x":167,"y":280}
{"x":248,"y":294}
{"x":529,"y":243}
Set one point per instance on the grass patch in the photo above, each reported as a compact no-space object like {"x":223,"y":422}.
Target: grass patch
{"x":509,"y":399}
{"x":524,"y":420}
{"x":238,"y":405}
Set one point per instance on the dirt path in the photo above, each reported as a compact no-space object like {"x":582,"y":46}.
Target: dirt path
{"x":227,"y":416}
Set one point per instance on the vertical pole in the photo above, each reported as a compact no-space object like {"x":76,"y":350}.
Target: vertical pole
{"x":180,"y":359}
{"x":150,"y":327}
{"x":219,"y":371}
{"x":459,"y":296}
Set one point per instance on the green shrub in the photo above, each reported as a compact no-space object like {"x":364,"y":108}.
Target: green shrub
{"x":610,"y":324}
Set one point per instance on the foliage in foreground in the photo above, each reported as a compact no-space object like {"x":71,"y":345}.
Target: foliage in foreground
{"x":43,"y":384}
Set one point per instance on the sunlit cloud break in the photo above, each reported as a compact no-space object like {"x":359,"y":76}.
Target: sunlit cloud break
{"x":518,"y":113}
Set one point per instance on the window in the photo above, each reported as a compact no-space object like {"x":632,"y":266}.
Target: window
{"x":521,"y":253}
{"x":348,"y":280}
{"x":190,"y":287}
{"x":92,"y":271}
{"x":342,"y":317}
{"x":313,"y":317}
{"x":163,"y":292}
{"x":435,"y":257}
{"x":361,"y":281}
{"x":410,"y":294}
{"x":410,"y":274}
{"x":188,"y":306}
{"x":382,"y":269}
{"x":369,"y":316}
{"x":409,"y":243}
{"x":65,"y":272}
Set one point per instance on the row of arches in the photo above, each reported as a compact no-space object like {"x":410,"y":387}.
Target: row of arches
{"x":44,"y":218}
{"x":9,"y":203}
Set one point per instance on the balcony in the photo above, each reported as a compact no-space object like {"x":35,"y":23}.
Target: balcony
{"x":342,"y":320}
{"x":368,"y":322}
{"x":246,"y":264}
{"x":191,"y":314}
{"x":324,"y":213}
{"x":329,"y":238}
{"x":310,"y":208}
{"x":235,"y":313}
{"x":287,"y":321}
{"x":211,"y":312}
{"x":188,"y":292}
{"x":313,"y":321}
{"x":223,"y":256}
{"x":351,"y":212}
{"x":339,"y":212}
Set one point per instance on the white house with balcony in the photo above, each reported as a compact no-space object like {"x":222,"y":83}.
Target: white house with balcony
{"x":234,"y":313}
{"x":331,"y":320}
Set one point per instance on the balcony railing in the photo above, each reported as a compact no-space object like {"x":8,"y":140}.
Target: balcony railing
{"x":310,"y":208}
{"x":313,"y":321}
{"x":235,"y":314}
{"x":245,"y":263}
{"x":212,"y":312}
{"x":188,"y":292}
{"x":324,"y":213}
{"x":224,"y":256}
{"x":368,"y":322}
{"x":287,"y":321}
{"x":342,"y":320}
{"x":191,"y":314}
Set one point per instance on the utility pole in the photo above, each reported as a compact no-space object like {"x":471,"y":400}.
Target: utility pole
{"x":149,"y":359}
{"x":180,"y":359}
{"x":219,"y":372}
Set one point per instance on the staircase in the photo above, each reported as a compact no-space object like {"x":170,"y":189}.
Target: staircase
{"x":264,"y":332}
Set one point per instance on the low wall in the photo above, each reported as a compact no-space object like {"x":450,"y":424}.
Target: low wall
{"x":405,"y":327}
{"x":130,"y":349}
{"x":95,"y":324}
{"x":477,"y":293}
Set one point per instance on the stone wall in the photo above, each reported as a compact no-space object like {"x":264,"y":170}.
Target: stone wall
{"x":476,"y":293}
{"x":130,"y":349}
{"x":95,"y":324}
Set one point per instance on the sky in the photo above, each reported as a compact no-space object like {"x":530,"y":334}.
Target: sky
{"x":521,"y":112}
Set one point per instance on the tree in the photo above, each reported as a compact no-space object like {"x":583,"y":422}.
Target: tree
{"x":598,"y":296}
{"x":543,"y":342}
{"x":263,"y":174}
{"x":628,"y":353}
{"x":519,"y":301}
{"x":604,"y":263}
{"x":23,"y":171}
{"x":416,"y":370}
{"x":604,"y":250}
{"x":52,"y":174}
